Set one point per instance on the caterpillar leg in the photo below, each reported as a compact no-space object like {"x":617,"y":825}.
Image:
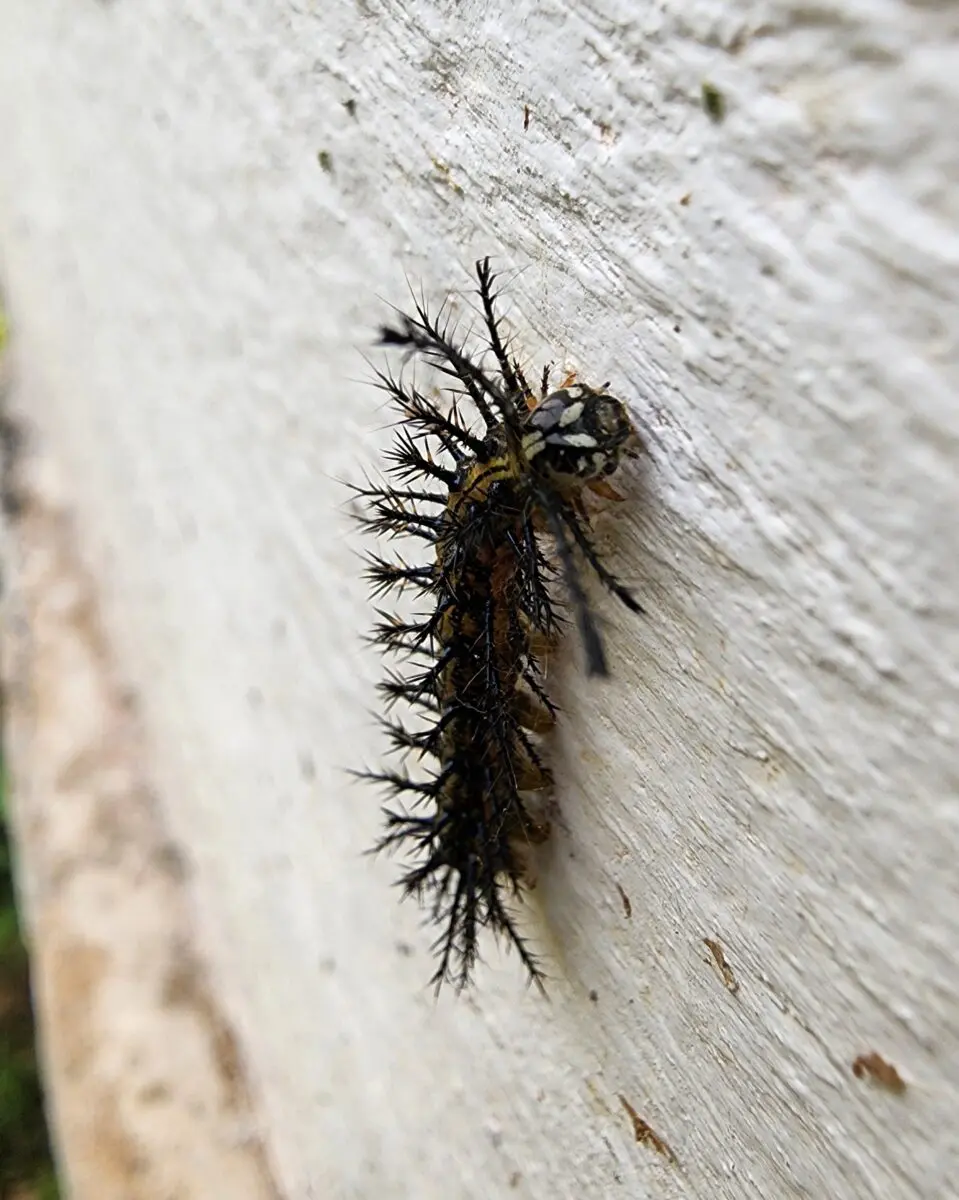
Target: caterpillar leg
{"x":521,"y":843}
{"x":599,"y":487}
{"x":542,"y":644}
{"x":533,"y":777}
{"x":532,"y":714}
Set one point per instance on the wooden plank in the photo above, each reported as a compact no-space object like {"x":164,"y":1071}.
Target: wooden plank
{"x":201,"y":210}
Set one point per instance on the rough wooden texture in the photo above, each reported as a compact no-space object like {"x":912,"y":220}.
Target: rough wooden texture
{"x":195,"y":228}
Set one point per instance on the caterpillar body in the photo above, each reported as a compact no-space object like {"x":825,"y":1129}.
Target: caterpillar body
{"x":486,"y":494}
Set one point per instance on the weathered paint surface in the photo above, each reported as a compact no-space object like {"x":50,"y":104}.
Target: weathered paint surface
{"x":200,"y":207}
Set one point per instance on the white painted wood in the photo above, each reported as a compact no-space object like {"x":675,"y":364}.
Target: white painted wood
{"x":774,"y":764}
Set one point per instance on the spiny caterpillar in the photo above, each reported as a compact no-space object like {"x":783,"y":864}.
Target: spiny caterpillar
{"x":485,"y":495}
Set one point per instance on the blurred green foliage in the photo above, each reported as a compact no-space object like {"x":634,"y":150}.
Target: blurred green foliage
{"x":25,"y":1161}
{"x":26,"y":1167}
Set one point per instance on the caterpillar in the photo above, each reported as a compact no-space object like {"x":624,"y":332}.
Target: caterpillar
{"x":488,"y":493}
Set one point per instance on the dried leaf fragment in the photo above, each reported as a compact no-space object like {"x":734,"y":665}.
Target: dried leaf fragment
{"x":645,"y":1135}
{"x":874,"y":1066}
{"x":716,"y":950}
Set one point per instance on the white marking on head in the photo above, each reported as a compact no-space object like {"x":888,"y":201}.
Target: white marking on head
{"x":572,"y":414}
{"x":579,"y":441}
{"x":533,"y":443}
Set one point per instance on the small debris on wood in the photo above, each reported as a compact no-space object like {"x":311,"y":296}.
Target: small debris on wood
{"x":714,"y":102}
{"x":325,"y":160}
{"x":526,"y":115}
{"x":350,"y":106}
{"x":684,"y":200}
{"x":874,"y":1066}
{"x":645,"y":1134}
{"x":627,"y":904}
{"x":442,"y":173}
{"x":716,"y":950}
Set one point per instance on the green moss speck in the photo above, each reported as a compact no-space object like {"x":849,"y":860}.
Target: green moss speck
{"x":714,"y":102}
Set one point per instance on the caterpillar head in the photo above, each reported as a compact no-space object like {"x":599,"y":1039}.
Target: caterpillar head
{"x":578,"y":433}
